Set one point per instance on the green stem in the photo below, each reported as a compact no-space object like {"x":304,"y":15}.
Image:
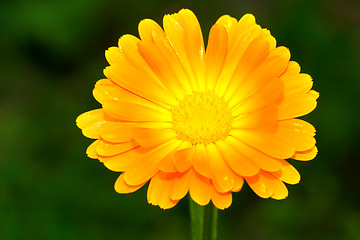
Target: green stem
{"x":203,"y":221}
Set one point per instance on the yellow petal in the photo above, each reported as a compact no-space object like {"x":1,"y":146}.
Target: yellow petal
{"x":229,"y":23}
{"x":245,"y":31}
{"x":265,"y":142}
{"x":200,"y":189}
{"x":296,"y":106}
{"x":265,"y":34}
{"x":91,"y":150}
{"x":127,"y":111}
{"x":147,"y":28}
{"x":287,"y":173}
{"x":116,"y":132}
{"x":122,"y":187}
{"x":90,"y":123}
{"x":128,"y":47}
{"x":215,"y":54}
{"x":306,"y":155}
{"x":221,"y":200}
{"x":280,"y":51}
{"x":238,"y":162}
{"x":114,"y":55}
{"x":222,"y":176}
{"x":110,"y":149}
{"x":180,"y":185}
{"x":141,"y":173}
{"x":158,"y":191}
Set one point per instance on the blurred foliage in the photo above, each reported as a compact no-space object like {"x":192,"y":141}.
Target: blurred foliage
{"x":52,"y":53}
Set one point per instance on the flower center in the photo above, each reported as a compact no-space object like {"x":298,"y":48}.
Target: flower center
{"x":202,"y":117}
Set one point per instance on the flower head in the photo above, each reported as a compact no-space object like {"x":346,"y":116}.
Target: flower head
{"x":201,"y":121}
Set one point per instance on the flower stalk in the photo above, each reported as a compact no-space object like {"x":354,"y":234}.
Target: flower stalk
{"x":203,"y":221}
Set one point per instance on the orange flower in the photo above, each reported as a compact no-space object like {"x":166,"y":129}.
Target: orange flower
{"x":198,"y":121}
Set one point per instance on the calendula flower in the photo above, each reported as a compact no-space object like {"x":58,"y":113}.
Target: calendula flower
{"x":201,"y":121}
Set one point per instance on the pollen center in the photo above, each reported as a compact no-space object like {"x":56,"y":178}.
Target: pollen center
{"x":202,"y":117}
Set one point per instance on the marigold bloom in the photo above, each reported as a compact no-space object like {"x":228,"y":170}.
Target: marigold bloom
{"x":198,"y":121}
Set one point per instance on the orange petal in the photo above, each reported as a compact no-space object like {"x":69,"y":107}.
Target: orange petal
{"x":183,"y":159}
{"x":261,"y":184}
{"x":90,"y":123}
{"x":123,"y":161}
{"x":292,"y":131}
{"x":158,"y":191}
{"x":280,"y":190}
{"x":271,"y":68}
{"x":269,"y":94}
{"x":297,"y":84}
{"x":222,"y":175}
{"x":151,"y":31}
{"x":104,"y":91}
{"x":141,"y":173}
{"x":296,"y":106}
{"x":168,"y":163}
{"x":287,"y":173}
{"x":221,"y":200}
{"x":238,"y":162}
{"x":201,"y":161}
{"x":110,"y":149}
{"x":140,"y":83}
{"x":262,"y":118}
{"x":255,"y":53}
{"x":122,"y":187}
{"x":200,"y":189}
{"x":180,"y":185}
{"x":161,"y":67}
{"x":239,"y":182}
{"x":179,"y":28}
{"x":148,"y":137}
{"x":266,"y":142}
{"x":215,"y":54}
{"x":306,"y":155}
{"x":135,"y":112}
{"x":91,"y":150}
{"x":292,"y":69}
{"x":116,"y":132}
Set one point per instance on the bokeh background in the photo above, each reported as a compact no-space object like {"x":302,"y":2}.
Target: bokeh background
{"x":51,"y":55}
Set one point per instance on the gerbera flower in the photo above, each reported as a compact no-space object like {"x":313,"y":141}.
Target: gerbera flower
{"x":201,"y":121}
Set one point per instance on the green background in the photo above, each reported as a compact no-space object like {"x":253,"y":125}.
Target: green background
{"x":52,"y":53}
